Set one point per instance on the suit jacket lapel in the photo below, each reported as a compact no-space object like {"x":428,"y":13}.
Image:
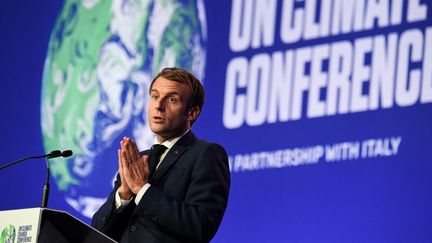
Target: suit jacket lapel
{"x":173,"y":155}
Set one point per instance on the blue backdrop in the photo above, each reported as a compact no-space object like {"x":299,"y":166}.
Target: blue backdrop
{"x":324,"y":108}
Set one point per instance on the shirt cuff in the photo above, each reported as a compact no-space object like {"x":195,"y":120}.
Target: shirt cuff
{"x":141,"y":192}
{"x":120,"y":203}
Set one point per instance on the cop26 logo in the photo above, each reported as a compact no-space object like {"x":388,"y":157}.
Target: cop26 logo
{"x":8,"y":234}
{"x":102,"y":56}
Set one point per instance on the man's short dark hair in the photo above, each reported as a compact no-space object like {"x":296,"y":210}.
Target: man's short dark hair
{"x":183,"y":76}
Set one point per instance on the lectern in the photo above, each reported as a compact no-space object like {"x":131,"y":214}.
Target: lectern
{"x":45,"y":225}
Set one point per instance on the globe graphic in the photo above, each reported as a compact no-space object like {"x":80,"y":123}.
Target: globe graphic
{"x":102,"y":56}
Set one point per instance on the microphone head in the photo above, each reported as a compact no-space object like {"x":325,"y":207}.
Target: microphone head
{"x":54,"y":153}
{"x":66,"y":153}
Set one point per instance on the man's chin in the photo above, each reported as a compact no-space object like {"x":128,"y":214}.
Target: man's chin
{"x":160,"y":131}
{"x":157,"y":128}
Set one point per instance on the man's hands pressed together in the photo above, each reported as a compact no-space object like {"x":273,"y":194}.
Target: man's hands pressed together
{"x":133,"y":169}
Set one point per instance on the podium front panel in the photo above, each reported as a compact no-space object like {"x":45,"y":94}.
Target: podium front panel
{"x":46,"y":225}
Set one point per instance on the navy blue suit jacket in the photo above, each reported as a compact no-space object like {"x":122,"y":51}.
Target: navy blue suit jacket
{"x":185,"y":203}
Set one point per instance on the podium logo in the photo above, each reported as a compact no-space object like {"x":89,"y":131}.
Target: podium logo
{"x":101,"y":58}
{"x":8,"y":234}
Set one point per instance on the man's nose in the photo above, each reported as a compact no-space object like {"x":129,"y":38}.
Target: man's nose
{"x":160,"y":104}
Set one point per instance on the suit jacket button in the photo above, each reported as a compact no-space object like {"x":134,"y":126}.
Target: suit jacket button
{"x":104,"y":218}
{"x":155,"y":218}
{"x":133,"y":228}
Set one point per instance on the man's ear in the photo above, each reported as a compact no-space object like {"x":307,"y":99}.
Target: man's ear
{"x":193,"y":113}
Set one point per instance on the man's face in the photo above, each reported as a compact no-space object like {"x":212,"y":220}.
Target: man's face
{"x":166,"y":109}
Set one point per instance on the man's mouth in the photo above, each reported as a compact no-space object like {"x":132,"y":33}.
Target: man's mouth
{"x":158,"y":119}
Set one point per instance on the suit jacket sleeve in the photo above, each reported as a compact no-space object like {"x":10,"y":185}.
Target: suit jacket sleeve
{"x":109,"y":220}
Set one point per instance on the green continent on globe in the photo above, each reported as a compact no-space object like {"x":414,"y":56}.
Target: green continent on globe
{"x":69,"y":87}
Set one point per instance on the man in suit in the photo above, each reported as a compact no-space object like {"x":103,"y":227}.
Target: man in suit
{"x":172,"y":193}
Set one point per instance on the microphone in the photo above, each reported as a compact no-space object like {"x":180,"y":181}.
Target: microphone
{"x":52,"y":154}
{"x":66,"y":153}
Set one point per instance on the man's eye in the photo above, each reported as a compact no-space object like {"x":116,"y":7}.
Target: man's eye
{"x":172,"y":100}
{"x":154,"y":97}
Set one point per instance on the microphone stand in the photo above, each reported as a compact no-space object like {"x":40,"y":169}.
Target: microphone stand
{"x":46,"y":187}
{"x":52,"y":154}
